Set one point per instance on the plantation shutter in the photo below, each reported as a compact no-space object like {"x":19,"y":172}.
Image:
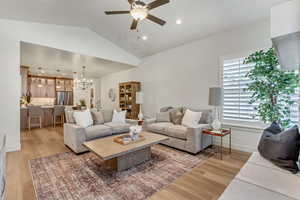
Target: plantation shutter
{"x":236,"y":99}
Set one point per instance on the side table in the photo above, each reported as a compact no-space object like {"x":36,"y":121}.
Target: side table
{"x":222,"y":133}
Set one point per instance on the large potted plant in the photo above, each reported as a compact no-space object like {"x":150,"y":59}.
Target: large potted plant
{"x":271,"y":87}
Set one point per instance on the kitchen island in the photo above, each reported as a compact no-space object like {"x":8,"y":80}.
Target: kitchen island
{"x":47,"y":117}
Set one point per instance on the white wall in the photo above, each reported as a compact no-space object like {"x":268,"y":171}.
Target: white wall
{"x":79,"y":40}
{"x":182,"y":76}
{"x":285,"y":18}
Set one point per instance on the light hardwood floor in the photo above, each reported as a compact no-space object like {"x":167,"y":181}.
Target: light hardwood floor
{"x":205,"y":182}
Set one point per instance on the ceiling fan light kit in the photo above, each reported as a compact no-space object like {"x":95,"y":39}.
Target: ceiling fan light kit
{"x":139,"y":11}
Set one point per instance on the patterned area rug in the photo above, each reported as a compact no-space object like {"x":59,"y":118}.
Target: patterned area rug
{"x":67,"y":176}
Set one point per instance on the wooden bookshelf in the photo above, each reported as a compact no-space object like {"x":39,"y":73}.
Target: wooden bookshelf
{"x":127,"y":98}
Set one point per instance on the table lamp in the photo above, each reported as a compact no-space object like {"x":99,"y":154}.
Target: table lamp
{"x":216,"y":100}
{"x":140,"y":101}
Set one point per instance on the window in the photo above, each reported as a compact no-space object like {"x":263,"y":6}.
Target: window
{"x":236,"y":100}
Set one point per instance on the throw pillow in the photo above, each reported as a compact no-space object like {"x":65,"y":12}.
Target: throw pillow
{"x":97,"y":117}
{"x":119,"y":116}
{"x":191,"y":119}
{"x":176,"y":116}
{"x":83,"y":118}
{"x":281,"y":148}
{"x":163,"y":117}
{"x":273,"y":128}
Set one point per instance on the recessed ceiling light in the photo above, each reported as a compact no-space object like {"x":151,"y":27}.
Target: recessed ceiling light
{"x":144,"y":37}
{"x":178,"y":21}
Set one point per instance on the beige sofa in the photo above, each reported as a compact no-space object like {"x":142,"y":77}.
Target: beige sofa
{"x":184,"y":138}
{"x":75,"y":136}
{"x":259,"y":179}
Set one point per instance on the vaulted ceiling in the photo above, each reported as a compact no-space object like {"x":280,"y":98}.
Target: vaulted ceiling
{"x":51,"y":60}
{"x":200,"y":19}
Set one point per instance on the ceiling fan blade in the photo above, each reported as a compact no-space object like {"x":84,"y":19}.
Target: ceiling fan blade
{"x":156,"y":19}
{"x":134,"y":24}
{"x":157,"y":3}
{"x":116,"y":12}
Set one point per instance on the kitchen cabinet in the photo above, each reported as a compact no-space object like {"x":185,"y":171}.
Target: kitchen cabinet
{"x":42,"y":87}
{"x":64,"y":85}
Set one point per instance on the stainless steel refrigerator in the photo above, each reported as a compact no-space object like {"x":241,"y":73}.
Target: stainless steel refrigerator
{"x":64,"y":98}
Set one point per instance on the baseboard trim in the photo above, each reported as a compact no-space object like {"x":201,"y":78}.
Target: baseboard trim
{"x":13,"y":148}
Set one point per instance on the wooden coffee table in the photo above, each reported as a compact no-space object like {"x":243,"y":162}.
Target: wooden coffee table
{"x":121,"y":157}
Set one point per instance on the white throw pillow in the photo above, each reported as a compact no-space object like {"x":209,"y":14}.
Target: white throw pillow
{"x":119,"y":116}
{"x":191,"y":119}
{"x":83,"y":118}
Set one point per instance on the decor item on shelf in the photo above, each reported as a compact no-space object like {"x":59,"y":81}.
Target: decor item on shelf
{"x":272,"y":87}
{"x":128,"y":98}
{"x":83,"y":82}
{"x":140,"y":100}
{"x":135,"y":132}
{"x":28,"y":96}
{"x":140,"y":10}
{"x":23,"y":101}
{"x":112,"y":94}
{"x":216,"y":99}
{"x":40,"y":83}
{"x":82,"y":104}
{"x":98,"y":104}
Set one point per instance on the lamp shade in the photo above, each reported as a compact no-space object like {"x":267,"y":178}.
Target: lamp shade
{"x":139,"y":98}
{"x":215,"y":96}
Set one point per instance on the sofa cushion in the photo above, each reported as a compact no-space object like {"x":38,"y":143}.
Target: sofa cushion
{"x":97,"y":117}
{"x":118,"y":127}
{"x":238,"y":190}
{"x":177,"y":131}
{"x":272,"y":179}
{"x":97,"y":131}
{"x":282,"y":149}
{"x":163,"y":117}
{"x":159,"y":127}
{"x":257,"y":159}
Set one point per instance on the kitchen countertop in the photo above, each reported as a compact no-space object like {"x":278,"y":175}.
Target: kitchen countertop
{"x":41,"y":106}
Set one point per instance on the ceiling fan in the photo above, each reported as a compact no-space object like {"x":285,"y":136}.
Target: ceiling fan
{"x":139,"y":11}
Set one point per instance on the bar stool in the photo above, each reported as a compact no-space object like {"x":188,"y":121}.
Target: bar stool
{"x":34,"y":112}
{"x":59,"y":111}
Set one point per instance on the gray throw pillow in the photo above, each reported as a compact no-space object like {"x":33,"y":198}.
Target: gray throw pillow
{"x":281,"y":148}
{"x":107,"y":115}
{"x":163,"y":117}
{"x":176,"y":116}
{"x":97,"y":117}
